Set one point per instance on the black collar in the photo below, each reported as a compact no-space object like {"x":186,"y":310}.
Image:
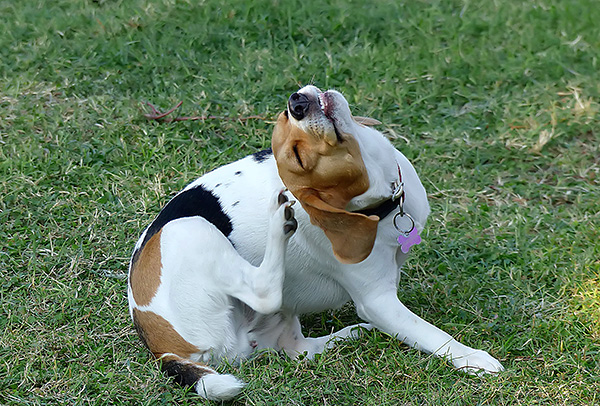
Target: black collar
{"x":389,"y":205}
{"x":382,"y":210}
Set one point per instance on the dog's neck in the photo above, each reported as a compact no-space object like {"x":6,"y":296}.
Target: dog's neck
{"x":383,"y":172}
{"x":385,"y":207}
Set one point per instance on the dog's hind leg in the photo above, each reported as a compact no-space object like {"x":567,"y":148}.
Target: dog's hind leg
{"x":293,"y":342}
{"x":261,"y":287}
{"x":200,"y":272}
{"x":211,"y":263}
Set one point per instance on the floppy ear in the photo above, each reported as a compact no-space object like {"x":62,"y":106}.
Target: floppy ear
{"x":366,"y":120}
{"x":352,"y":235}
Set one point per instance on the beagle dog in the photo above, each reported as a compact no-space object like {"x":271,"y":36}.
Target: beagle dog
{"x":228,"y":265}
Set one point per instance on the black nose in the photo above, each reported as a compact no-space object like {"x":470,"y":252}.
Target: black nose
{"x":298,"y":105}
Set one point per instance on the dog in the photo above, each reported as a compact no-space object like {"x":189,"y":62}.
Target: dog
{"x":228,"y":265}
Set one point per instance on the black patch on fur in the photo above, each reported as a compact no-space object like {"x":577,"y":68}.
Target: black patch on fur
{"x":185,"y":374}
{"x":197,"y":201}
{"x":238,"y":173}
{"x":263,"y":155}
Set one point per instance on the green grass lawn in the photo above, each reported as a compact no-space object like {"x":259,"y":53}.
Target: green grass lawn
{"x":497,"y":103}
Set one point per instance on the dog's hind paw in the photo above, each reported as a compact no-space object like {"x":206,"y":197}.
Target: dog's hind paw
{"x":283,"y":210}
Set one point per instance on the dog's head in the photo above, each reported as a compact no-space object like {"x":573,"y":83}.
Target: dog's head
{"x":320,"y":162}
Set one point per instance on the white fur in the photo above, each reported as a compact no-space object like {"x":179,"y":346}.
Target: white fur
{"x":218,"y":387}
{"x":229,"y":301}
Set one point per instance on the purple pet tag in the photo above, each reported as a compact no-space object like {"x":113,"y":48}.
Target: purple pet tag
{"x":404,"y":223}
{"x":407,"y":241}
{"x":409,"y":235}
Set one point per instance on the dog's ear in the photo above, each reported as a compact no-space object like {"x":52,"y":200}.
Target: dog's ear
{"x":366,"y":120}
{"x":324,"y":174}
{"x":352,"y":235}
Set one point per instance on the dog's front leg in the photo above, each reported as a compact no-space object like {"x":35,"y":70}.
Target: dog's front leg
{"x":387,"y":313}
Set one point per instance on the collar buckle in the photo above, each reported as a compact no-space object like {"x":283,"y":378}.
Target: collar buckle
{"x":398,"y":193}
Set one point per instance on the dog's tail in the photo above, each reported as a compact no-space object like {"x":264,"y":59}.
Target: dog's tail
{"x":206,"y":382}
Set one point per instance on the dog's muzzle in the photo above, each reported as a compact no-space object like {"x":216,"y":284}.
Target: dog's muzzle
{"x":298,"y":105}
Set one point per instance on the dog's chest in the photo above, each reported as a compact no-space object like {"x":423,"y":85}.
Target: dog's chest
{"x":311,"y":291}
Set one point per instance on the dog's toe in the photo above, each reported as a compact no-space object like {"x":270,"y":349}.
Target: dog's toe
{"x":290,"y":226}
{"x":288,"y":212}
{"x":279,"y":199}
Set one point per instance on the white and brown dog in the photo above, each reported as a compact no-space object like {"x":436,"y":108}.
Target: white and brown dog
{"x":216,"y":275}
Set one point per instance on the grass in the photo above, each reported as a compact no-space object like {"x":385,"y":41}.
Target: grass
{"x":495,"y":102}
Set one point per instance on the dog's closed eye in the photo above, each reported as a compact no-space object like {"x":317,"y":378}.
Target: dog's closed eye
{"x":297,"y":155}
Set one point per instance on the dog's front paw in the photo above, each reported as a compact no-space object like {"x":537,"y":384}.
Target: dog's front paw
{"x":284,"y":213}
{"x":477,"y":362}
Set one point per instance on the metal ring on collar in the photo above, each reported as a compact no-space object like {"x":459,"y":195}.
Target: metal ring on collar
{"x":401,"y":215}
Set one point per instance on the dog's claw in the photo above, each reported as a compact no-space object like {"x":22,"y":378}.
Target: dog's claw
{"x":282,"y":198}
{"x":291,"y":224}
{"x":289,"y":212}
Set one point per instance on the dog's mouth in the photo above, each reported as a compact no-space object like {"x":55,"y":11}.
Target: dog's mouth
{"x":326,"y":104}
{"x":324,"y":99}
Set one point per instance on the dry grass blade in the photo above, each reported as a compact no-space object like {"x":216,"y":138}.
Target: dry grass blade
{"x":162,"y":117}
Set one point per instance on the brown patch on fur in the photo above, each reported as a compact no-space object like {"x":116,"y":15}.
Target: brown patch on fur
{"x":324,"y":175}
{"x":146,"y":270}
{"x":159,"y":335}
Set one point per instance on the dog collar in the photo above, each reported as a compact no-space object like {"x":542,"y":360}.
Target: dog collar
{"x":382,"y":210}
{"x":395,"y":201}
{"x":403,"y":222}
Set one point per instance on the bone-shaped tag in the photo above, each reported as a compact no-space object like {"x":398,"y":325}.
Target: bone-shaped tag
{"x":407,"y":241}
